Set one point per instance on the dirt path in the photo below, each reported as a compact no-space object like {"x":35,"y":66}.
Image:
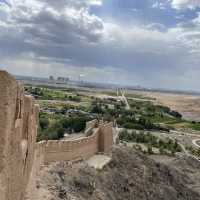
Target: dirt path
{"x":98,"y":161}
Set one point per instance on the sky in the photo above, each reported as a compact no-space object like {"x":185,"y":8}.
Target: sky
{"x":151,"y":43}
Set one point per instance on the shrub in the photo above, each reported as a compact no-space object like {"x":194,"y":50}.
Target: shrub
{"x":176,"y":114}
{"x":60,"y":132}
{"x":133,"y":126}
{"x":78,"y":124}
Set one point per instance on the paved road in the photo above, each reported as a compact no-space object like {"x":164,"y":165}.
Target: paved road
{"x":195,"y":142}
{"x":194,"y":137}
{"x":125,"y":100}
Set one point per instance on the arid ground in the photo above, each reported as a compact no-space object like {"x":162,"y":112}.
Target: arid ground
{"x":129,"y":175}
{"x":187,"y":105}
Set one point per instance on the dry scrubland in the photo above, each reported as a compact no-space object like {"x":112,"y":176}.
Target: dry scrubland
{"x":130,"y":175}
{"x":187,"y":105}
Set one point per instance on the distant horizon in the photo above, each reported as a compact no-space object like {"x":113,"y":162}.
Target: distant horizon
{"x":110,"y":85}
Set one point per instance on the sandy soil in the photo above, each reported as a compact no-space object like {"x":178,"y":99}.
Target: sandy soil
{"x":98,"y":161}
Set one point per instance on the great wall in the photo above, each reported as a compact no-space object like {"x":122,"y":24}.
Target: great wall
{"x":20,"y":156}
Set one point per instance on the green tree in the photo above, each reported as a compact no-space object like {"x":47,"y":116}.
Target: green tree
{"x":44,"y":123}
{"x":60,"y":132}
{"x":97,"y":109}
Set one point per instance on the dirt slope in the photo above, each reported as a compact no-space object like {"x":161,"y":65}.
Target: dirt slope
{"x":129,"y":176}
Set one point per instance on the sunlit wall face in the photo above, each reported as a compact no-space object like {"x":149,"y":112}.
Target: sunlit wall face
{"x":152,"y":43}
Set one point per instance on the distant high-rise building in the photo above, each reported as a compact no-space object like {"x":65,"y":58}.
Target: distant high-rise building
{"x":51,"y":78}
{"x":63,"y":79}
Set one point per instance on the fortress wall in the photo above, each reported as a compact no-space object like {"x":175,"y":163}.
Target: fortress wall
{"x":30,"y":126}
{"x":39,"y":156}
{"x":72,"y":150}
{"x":18,"y":129}
{"x":31,"y":190}
{"x":100,"y":141}
{"x":106,"y":137}
{"x":20,"y":156}
{"x":91,"y":124}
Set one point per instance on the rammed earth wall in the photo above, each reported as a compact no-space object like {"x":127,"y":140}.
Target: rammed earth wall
{"x":101,"y":140}
{"x":20,"y":156}
{"x":18,"y":130}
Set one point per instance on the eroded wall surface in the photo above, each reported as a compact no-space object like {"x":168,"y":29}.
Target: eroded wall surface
{"x":105,"y":137}
{"x":18,"y":129}
{"x":38,"y":163}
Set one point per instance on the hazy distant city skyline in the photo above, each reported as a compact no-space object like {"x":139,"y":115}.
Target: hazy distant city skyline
{"x":152,"y":43}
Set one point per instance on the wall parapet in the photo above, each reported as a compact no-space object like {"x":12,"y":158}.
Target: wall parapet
{"x":81,"y":148}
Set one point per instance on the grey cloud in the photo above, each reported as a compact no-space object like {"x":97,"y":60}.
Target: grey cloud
{"x":157,"y":26}
{"x":185,"y":4}
{"x":190,"y":36}
{"x":65,"y":33}
{"x":50,"y":27}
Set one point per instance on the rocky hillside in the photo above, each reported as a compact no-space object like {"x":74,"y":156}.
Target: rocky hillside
{"x":130,"y":175}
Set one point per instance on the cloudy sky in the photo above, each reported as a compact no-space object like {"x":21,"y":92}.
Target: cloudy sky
{"x":152,"y":43}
